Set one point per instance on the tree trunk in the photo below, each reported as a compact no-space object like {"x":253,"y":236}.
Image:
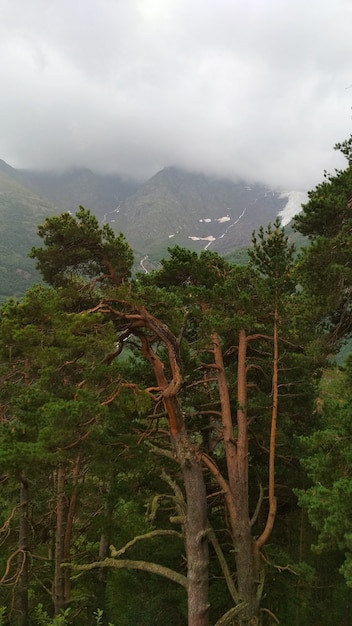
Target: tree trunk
{"x":196,"y":522}
{"x":195,"y":530}
{"x":23,"y":555}
{"x":236,"y":452}
{"x":246,"y":570}
{"x":274,"y":412}
{"x":247,"y":574}
{"x":105,"y":540}
{"x":69,"y":528}
{"x":58,"y":584}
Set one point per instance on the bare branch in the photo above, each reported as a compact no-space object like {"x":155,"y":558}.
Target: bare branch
{"x":225,"y":568}
{"x":153,"y":533}
{"x":258,"y":506}
{"x":153,"y":568}
{"x":160,"y":451}
{"x":265,"y":610}
{"x":13,"y":580}
{"x":228,"y":617}
{"x":7,"y":522}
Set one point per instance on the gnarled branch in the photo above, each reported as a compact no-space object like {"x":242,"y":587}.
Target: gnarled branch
{"x":145,"y":566}
{"x":229,"y":615}
{"x":153,"y":533}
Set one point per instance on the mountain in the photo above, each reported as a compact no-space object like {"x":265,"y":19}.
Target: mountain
{"x":27,"y":197}
{"x":80,"y":186}
{"x":173,"y":207}
{"x":21,"y":210}
{"x":196,"y":211}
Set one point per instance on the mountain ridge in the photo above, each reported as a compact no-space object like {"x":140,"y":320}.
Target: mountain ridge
{"x":193,"y":210}
{"x":174,"y":206}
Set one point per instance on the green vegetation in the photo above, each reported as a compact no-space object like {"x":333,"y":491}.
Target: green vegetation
{"x":169,"y":208}
{"x":173,"y":444}
{"x":21,"y":211}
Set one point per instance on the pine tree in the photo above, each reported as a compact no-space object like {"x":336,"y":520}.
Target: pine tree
{"x":91,"y":259}
{"x":325,"y":270}
{"x":327,"y":456}
{"x":236,"y":316}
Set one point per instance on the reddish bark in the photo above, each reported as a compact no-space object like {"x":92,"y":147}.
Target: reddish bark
{"x":195,"y":525}
{"x":236,"y":452}
{"x":275,"y":403}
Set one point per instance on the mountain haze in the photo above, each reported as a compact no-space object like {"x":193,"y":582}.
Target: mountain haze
{"x":21,"y":210}
{"x":173,"y":207}
{"x":80,"y":187}
{"x":194,"y":211}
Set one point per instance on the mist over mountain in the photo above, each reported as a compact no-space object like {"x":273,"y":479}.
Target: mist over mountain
{"x":173,"y":207}
{"x":195,"y":211}
{"x":21,"y":210}
{"x":80,"y":186}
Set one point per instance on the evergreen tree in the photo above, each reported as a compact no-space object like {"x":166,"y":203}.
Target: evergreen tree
{"x":56,"y":398}
{"x":325,"y":278}
{"x":76,"y":246}
{"x":239,"y":316}
{"x":325,"y":270}
{"x":93,"y":259}
{"x":220,"y":353}
{"x":327,"y":459}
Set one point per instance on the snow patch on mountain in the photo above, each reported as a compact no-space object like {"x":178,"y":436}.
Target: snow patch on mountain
{"x":221,"y":220}
{"x":233,"y":223}
{"x":293,"y":206}
{"x":210,"y":238}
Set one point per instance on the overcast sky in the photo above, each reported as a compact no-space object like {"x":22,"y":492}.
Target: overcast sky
{"x":260,"y":89}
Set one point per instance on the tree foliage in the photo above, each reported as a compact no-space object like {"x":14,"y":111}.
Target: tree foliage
{"x":327,"y":458}
{"x":325,"y":269}
{"x":76,"y":246}
{"x":212,"y":368}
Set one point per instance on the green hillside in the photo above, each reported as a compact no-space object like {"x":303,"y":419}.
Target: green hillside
{"x":20,"y":213}
{"x":174,"y":207}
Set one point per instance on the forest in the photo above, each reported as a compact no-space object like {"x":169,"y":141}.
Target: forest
{"x":176,"y":446}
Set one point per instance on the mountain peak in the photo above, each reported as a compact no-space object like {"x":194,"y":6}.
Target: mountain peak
{"x":6,"y":168}
{"x":193,"y":210}
{"x":174,"y":207}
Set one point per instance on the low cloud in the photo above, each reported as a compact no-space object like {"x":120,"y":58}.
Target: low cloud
{"x":251,"y":89}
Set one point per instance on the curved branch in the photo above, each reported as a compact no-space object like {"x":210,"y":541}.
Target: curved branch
{"x":153,"y":568}
{"x":258,"y":506}
{"x":223,"y":564}
{"x":15,"y":577}
{"x":160,"y":451}
{"x":269,"y":525}
{"x":273,"y":617}
{"x":229,"y":615}
{"x":222,"y":482}
{"x":153,"y":533}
